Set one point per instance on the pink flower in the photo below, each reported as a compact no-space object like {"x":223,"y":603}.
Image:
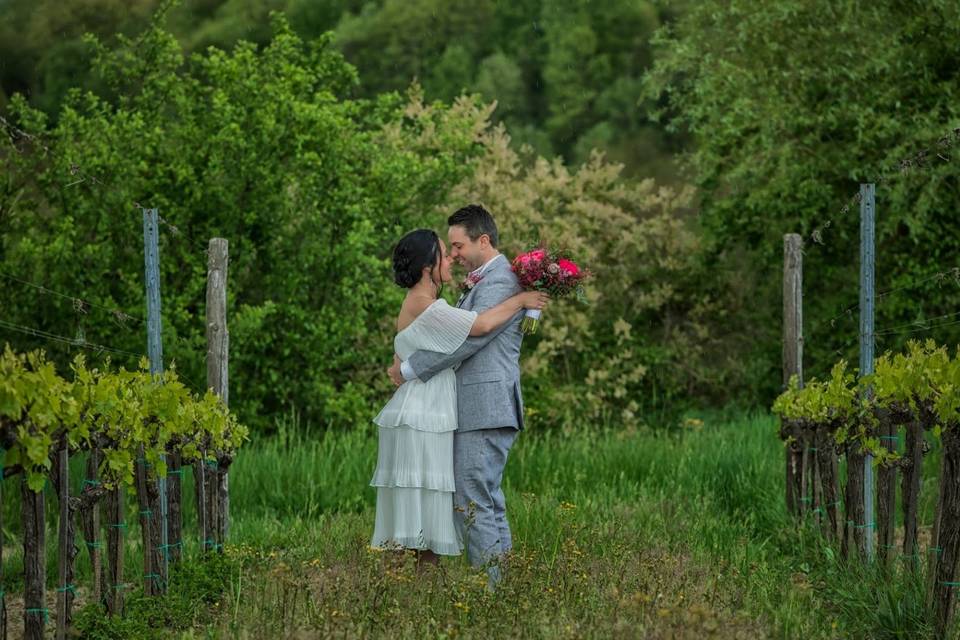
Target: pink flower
{"x":470,"y":282}
{"x":570,"y":268}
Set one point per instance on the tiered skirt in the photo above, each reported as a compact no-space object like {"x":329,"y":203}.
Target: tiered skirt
{"x":414,"y":474}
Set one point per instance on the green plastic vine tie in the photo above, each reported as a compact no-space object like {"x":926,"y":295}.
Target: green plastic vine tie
{"x":890,"y":437}
{"x":951,"y":584}
{"x":868,"y":525}
{"x":212,"y":544}
{"x":71,"y":588}
{"x":96,"y":544}
{"x":152,"y":576}
{"x":213,"y":464}
{"x":119,"y":525}
{"x":95,"y":483}
{"x":937,"y":549}
{"x":45,"y":612}
{"x":177,"y":472}
{"x":165,"y":548}
{"x":811,"y":448}
{"x":146,"y":513}
{"x":121,"y":585}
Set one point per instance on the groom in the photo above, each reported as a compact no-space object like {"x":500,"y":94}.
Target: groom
{"x":490,"y":404}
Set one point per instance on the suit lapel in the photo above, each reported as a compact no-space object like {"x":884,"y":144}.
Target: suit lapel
{"x":495,"y":264}
{"x":462,"y":304}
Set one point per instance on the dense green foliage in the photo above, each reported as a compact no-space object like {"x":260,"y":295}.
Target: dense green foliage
{"x":310,"y":189}
{"x":566,"y":74}
{"x":791,"y":104}
{"x":311,"y":166}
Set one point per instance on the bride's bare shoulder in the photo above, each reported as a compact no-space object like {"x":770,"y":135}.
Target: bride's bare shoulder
{"x":412,"y":307}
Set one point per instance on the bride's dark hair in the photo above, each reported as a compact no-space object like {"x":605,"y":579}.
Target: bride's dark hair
{"x":416,"y":251}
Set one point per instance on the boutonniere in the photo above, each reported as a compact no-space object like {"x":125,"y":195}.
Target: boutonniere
{"x":470,"y":282}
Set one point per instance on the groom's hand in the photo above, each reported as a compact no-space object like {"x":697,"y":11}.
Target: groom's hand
{"x":394,"y":372}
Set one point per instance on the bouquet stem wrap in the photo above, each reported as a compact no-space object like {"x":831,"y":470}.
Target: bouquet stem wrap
{"x":531,"y":321}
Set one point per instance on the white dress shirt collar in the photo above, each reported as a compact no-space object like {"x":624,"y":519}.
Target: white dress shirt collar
{"x":477,"y":272}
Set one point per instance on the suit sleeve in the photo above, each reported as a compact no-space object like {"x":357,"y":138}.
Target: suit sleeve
{"x":427,"y":364}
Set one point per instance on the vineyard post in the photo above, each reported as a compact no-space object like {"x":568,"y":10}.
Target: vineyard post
{"x":34,"y":561}
{"x":3,"y":596}
{"x":793,"y":355}
{"x":151,"y":252}
{"x":91,"y":523}
{"x":116,"y":524}
{"x":867,"y":299}
{"x":218,"y":344}
{"x":65,"y":542}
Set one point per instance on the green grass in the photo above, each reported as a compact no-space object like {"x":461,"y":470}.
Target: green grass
{"x":617,"y":534}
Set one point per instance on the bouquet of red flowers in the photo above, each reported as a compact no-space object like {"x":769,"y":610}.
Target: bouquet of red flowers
{"x":553,"y":272}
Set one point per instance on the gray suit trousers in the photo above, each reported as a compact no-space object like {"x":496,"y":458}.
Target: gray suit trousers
{"x":480,"y":510}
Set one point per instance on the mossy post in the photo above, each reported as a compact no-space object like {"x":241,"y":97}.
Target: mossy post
{"x":218,"y":359}
{"x":793,"y":361}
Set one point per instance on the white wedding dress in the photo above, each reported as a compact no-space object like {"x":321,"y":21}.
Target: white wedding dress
{"x":414,"y":475}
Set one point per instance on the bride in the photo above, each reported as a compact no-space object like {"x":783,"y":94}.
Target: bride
{"x":414,"y":475}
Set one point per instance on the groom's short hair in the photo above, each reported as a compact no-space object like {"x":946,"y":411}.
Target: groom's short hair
{"x":476,"y":221}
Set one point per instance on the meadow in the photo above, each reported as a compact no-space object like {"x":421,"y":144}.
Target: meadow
{"x":673,"y":533}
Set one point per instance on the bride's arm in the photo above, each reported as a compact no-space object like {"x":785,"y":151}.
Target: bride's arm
{"x":495,"y":316}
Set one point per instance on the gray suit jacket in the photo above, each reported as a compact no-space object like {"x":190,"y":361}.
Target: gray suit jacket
{"x":488,"y":380}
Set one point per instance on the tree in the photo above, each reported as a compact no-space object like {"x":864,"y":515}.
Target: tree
{"x":791,"y":104}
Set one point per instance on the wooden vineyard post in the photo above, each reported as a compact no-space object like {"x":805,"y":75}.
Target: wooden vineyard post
{"x":887,"y":495}
{"x":200,"y":496}
{"x":149,"y":527}
{"x":3,"y":596}
{"x":793,"y":362}
{"x":90,"y":521}
{"x":853,"y":529}
{"x":174,"y":542}
{"x":910,"y":489}
{"x":218,"y":348}
{"x":948,"y":531}
{"x":828,"y":474}
{"x":116,"y":524}
{"x":66,"y":544}
{"x":34,"y":562}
